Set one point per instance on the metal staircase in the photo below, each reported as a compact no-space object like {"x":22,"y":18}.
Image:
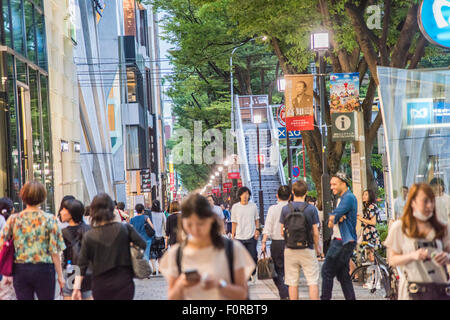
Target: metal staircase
{"x":272,"y":174}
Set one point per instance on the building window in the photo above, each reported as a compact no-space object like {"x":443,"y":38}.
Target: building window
{"x":31,"y":31}
{"x":131,"y":84}
{"x":36,"y":127}
{"x":6,"y":23}
{"x":132,"y":148}
{"x":148,"y":79}
{"x":111,"y":117}
{"x":17,"y":21}
{"x":40,"y":41}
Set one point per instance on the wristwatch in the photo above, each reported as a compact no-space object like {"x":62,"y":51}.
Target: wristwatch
{"x":222,"y":284}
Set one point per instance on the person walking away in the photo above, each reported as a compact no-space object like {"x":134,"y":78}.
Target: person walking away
{"x":227,"y":215}
{"x":172,"y":224}
{"x":419,"y":244}
{"x":272,"y":230}
{"x":38,"y":243}
{"x":205,"y":266}
{"x":6,"y":282}
{"x":442,"y":200}
{"x":218,"y":211}
{"x":106,"y":248}
{"x":399,"y":203}
{"x":158,"y":244}
{"x":123,"y":215}
{"x":245,"y":223}
{"x":138,"y":222}
{"x":72,"y":213}
{"x":300,"y":226}
{"x":369,"y":231}
{"x":343,"y":223}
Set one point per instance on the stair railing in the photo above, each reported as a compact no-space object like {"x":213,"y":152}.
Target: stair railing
{"x":275,"y":143}
{"x":242,"y":150}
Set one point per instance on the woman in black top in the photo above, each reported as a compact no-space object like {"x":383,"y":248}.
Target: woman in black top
{"x":171,"y":224}
{"x":107,"y":248}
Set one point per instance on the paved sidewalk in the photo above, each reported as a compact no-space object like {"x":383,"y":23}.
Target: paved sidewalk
{"x":156,"y":289}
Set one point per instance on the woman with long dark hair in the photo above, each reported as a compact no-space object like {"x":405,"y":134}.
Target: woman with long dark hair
{"x":419,"y":244}
{"x":369,"y":219}
{"x":206,"y":265}
{"x":158,"y":218}
{"x":172,"y":224}
{"x":106,"y":247}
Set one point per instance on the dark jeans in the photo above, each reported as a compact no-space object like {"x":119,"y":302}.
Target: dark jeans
{"x":116,"y":284}
{"x":337,"y":265}
{"x":277,"y":252}
{"x":250,"y":245}
{"x":30,"y":279}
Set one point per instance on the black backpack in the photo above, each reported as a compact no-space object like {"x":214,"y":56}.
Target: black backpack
{"x":228,"y":252}
{"x":296,"y":228}
{"x":147,"y":227}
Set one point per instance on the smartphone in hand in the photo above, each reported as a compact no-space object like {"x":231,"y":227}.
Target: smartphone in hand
{"x":192,"y":275}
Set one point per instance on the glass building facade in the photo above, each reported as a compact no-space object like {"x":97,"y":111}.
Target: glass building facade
{"x":416,"y":120}
{"x":25,"y":128}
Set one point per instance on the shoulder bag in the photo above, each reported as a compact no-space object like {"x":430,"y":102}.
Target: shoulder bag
{"x":148,"y":228}
{"x":7,"y":252}
{"x":141,"y":266}
{"x":265,"y":268}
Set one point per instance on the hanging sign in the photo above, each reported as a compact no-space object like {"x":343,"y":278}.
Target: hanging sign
{"x":344,"y":98}
{"x":299,"y":102}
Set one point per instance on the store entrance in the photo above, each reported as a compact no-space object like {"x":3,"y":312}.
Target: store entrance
{"x":23,"y":99}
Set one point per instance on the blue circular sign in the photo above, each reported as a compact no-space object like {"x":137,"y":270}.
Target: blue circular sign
{"x":295,"y":171}
{"x":434,"y":21}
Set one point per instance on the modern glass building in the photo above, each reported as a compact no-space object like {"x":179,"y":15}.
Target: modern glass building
{"x":416,"y":119}
{"x":25,"y":131}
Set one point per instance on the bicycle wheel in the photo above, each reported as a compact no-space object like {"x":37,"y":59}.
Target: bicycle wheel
{"x":360,"y":274}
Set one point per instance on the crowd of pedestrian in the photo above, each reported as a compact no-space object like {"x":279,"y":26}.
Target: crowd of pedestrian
{"x":205,"y":250}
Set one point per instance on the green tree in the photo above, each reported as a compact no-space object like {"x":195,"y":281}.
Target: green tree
{"x":203,"y":38}
{"x":354,"y":47}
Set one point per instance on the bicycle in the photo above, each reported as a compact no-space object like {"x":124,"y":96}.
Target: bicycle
{"x":375,"y":275}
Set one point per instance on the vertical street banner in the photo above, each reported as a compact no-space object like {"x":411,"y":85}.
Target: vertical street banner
{"x":299,"y":102}
{"x":344,"y":103}
{"x":233,"y":168}
{"x":171,"y":177}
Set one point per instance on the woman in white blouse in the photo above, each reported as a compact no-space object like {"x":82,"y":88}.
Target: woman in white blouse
{"x":199,"y":267}
{"x":419,"y":244}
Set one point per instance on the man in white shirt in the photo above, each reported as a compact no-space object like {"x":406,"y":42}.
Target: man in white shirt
{"x":399,"y":203}
{"x":245,"y":223}
{"x":272,"y":229}
{"x":442,"y":200}
{"x":218,"y":211}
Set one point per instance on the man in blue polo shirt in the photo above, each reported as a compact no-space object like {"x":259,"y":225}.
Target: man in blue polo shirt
{"x":343,"y":223}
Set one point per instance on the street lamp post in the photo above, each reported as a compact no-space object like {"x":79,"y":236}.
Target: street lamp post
{"x":320,"y":43}
{"x":281,"y":83}
{"x":257,"y":120}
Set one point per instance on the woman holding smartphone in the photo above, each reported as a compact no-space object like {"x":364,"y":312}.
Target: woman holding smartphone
{"x":419,"y":244}
{"x":200,"y":267}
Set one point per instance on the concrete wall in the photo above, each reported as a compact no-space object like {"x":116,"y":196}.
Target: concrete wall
{"x":65,"y":115}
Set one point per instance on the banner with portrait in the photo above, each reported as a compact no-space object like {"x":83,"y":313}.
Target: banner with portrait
{"x":344,"y":103}
{"x":299,"y":102}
